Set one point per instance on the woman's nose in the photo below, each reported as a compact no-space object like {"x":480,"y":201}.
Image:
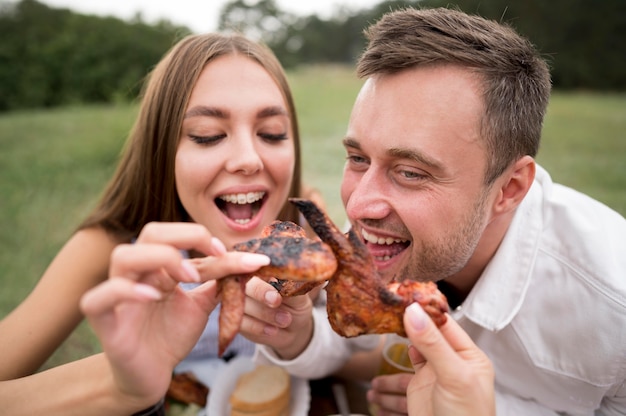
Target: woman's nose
{"x":244,"y":157}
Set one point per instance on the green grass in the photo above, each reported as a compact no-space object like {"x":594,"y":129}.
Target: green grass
{"x":584,"y":145}
{"x":54,"y":164}
{"x":324,"y":98}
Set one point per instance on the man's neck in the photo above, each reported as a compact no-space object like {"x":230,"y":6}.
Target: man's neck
{"x":458,"y":286}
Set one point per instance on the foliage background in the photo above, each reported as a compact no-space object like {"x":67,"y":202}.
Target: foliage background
{"x":51,"y":57}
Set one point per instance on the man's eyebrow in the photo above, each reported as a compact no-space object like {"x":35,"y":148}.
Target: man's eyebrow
{"x":419,"y":157}
{"x":400,"y":153}
{"x":202,"y":110}
{"x":350,"y":142}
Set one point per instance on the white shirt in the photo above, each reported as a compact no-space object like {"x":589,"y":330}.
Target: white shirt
{"x":549,"y":310}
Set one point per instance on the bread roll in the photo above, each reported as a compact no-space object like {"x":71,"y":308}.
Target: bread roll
{"x":264,"y":391}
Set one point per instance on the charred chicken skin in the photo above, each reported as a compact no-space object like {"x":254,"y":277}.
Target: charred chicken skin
{"x":358,"y":301}
{"x":300,"y":262}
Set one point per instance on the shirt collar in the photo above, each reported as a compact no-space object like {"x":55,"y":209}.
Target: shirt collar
{"x":499,"y":293}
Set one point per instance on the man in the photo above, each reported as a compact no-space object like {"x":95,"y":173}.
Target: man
{"x":441,"y":182}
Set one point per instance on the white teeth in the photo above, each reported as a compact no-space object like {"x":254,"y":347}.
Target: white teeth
{"x":380,"y":240}
{"x":241,"y":199}
{"x":242,"y":221}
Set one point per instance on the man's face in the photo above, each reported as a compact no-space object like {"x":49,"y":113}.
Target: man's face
{"x":413,"y":180}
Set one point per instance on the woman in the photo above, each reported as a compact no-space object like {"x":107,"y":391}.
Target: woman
{"x":215,"y":143}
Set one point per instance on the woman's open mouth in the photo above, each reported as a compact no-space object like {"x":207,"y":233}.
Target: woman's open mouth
{"x":241,"y":208}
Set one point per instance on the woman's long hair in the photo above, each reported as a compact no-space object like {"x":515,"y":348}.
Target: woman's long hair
{"x":143,"y":188}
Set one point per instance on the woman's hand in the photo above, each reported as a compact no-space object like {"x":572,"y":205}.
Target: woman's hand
{"x":145,"y":321}
{"x":452,"y":375}
{"x":285,"y":324}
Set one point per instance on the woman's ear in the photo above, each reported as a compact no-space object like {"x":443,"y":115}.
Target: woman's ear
{"x":517,"y":181}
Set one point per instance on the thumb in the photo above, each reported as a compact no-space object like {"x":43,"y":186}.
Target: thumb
{"x":427,"y":338}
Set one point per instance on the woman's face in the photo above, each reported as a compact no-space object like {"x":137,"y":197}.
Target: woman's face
{"x":236,"y":156}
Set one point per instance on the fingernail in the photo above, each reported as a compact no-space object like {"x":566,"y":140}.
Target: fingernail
{"x":147,"y":291}
{"x":417,"y":316}
{"x":271,"y":297}
{"x":190,"y":270}
{"x":254,"y":260}
{"x":270,"y":330}
{"x":218,"y":246}
{"x":282,"y":318}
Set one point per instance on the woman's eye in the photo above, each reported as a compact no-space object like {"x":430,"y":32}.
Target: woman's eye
{"x":207,"y":139}
{"x":273,"y":137}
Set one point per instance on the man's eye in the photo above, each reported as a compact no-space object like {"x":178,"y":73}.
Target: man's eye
{"x":356,"y":159}
{"x":207,"y":139}
{"x":273,"y":137}
{"x":411,"y":174}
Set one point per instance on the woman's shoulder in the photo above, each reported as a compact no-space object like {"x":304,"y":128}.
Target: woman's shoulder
{"x":88,"y":252}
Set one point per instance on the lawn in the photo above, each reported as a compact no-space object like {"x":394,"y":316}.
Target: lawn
{"x":54,"y":163}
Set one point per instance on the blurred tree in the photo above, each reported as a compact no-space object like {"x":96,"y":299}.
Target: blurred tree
{"x":583,"y":40}
{"x":259,"y":20}
{"x":53,"y":56}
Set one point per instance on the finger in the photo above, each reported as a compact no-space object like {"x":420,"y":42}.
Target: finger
{"x":388,"y":404}
{"x":392,"y":383}
{"x":262,"y":309}
{"x":205,"y":296}
{"x":184,"y":236}
{"x":263,"y":292}
{"x":416,"y":358}
{"x":235,"y":262}
{"x":297,"y":304}
{"x":257,"y":330}
{"x":107,"y":295}
{"x":99,"y":303}
{"x":430,"y":341}
{"x":136,"y":260}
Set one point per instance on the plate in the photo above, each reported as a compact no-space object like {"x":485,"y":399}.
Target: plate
{"x":218,"y":401}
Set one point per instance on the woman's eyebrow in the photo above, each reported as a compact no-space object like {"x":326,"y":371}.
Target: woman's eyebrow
{"x":206,"y":111}
{"x":272,"y":111}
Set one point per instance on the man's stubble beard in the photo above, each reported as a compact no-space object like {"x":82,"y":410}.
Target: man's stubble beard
{"x":450,"y":253}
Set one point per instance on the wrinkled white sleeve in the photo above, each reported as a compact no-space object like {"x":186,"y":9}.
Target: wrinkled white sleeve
{"x":325,"y":354}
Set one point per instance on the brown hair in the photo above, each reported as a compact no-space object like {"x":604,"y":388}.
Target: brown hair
{"x":143,"y":188}
{"x":515,"y":79}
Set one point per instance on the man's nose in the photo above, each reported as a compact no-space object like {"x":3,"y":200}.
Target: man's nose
{"x":369,"y":197}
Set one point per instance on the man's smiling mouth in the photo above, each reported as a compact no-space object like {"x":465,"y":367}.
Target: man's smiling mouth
{"x":242,"y":207}
{"x":384,"y":248}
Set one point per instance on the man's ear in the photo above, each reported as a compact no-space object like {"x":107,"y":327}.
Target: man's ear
{"x":516,"y":183}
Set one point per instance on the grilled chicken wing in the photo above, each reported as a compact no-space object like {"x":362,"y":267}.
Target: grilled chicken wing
{"x":358,"y":301}
{"x":300,"y":262}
